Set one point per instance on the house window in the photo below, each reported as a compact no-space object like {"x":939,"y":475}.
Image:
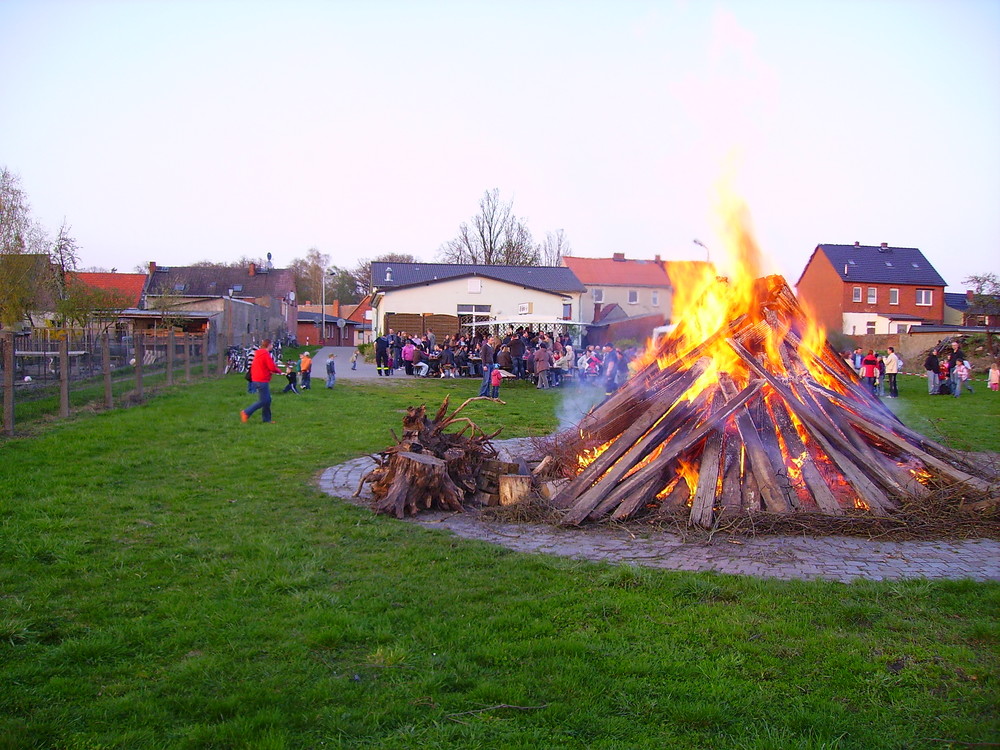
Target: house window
{"x":633,"y":296}
{"x":870,"y":327}
{"x":872,"y":295}
{"x":474,"y":309}
{"x":857,"y":294}
{"x":655,"y":298}
{"x":598,"y":295}
{"x":475,"y":286}
{"x":893,"y":296}
{"x":925,"y":297}
{"x":567,"y":311}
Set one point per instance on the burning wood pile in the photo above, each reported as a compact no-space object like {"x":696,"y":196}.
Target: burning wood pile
{"x":747,"y":408}
{"x":429,"y":467}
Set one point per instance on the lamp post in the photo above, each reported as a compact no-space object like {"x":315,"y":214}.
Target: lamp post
{"x":322,"y":325}
{"x":699,"y":243}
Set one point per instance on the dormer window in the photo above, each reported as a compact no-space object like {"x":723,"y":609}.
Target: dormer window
{"x":179,"y":287}
{"x":237,"y":287}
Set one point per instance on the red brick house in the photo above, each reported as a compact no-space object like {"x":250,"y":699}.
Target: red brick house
{"x":871,"y":289}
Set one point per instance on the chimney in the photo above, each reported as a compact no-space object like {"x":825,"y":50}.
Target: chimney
{"x":884,"y":245}
{"x":857,"y":244}
{"x":656,"y":259}
{"x":969,"y":295}
{"x":152,"y":267}
{"x":618,"y":256}
{"x":253,"y":269}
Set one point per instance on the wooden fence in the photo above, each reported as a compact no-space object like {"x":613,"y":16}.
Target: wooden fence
{"x":31,"y":368}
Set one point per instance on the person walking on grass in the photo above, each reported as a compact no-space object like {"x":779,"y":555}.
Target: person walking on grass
{"x":292,"y":375}
{"x":993,"y":382}
{"x":261,"y":370}
{"x":331,"y":370}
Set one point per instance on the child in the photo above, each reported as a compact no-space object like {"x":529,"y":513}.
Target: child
{"x":994,"y":379}
{"x":496,"y":377}
{"x":962,"y":371}
{"x":292,"y":375}
{"x":354,"y":360}
{"x":331,"y":370}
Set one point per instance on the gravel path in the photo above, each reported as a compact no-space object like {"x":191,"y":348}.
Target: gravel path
{"x":785,"y":557}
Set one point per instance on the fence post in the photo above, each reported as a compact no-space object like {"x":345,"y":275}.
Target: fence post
{"x":140,"y":354}
{"x":222,"y":358}
{"x":170,"y":357}
{"x":8,"y":381}
{"x":109,"y":398}
{"x":204,"y":354}
{"x":187,"y":357}
{"x":64,"y":375}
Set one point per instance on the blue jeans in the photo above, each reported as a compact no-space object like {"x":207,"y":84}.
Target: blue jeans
{"x":484,"y":388}
{"x":331,"y":380}
{"x":263,"y":401}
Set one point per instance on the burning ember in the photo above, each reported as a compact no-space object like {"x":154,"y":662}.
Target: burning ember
{"x":745,"y":407}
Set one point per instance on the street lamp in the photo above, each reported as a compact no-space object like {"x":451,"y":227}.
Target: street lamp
{"x":322,"y":330}
{"x":702,"y":244}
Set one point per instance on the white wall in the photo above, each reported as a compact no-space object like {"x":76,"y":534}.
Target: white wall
{"x":444,"y":297}
{"x":619,"y":294}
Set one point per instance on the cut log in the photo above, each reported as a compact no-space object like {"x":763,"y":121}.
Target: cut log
{"x":514,"y":488}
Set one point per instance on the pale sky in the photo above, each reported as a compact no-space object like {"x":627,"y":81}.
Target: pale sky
{"x":182,"y":131}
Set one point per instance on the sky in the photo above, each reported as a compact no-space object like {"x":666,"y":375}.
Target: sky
{"x":175,"y":131}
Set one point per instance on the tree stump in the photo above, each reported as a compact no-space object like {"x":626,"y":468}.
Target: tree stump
{"x":414,"y":481}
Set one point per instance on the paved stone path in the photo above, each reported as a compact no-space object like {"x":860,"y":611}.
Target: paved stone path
{"x":785,"y":557}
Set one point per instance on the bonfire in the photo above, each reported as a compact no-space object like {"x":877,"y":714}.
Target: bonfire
{"x":744,"y":408}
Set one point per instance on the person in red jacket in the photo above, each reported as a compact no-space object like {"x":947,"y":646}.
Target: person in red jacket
{"x":869,"y":371}
{"x":261,"y":370}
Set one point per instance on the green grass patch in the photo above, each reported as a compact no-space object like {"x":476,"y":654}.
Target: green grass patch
{"x":170,"y":577}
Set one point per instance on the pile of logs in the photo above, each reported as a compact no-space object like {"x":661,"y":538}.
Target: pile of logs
{"x":429,"y":467}
{"x":770,"y":435}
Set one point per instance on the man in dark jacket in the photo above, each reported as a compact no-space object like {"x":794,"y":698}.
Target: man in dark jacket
{"x":956,"y":356}
{"x":486,"y":355}
{"x":382,"y":355}
{"x":933,"y":367}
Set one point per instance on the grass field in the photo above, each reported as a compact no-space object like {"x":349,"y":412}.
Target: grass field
{"x":170,"y":577}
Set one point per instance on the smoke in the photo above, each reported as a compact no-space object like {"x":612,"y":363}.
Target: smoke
{"x":576,"y":400}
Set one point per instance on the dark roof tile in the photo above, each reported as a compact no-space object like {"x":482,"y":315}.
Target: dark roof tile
{"x":555,"y":279}
{"x":882,"y":265}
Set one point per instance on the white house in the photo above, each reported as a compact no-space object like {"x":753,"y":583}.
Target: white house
{"x":447,"y":298}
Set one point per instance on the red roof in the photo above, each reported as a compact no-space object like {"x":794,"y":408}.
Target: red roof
{"x":358,"y":313}
{"x":681,"y":271}
{"x":130,"y":284}
{"x":612,"y":272}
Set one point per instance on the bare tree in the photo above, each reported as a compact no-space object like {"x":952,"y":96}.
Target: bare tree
{"x":23,"y":257}
{"x":554,"y":248}
{"x":308,"y":274}
{"x":496,"y":237}
{"x":985,"y":302}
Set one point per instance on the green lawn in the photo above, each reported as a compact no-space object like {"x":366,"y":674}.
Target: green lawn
{"x":170,"y":577}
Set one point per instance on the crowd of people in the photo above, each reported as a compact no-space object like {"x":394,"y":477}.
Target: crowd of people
{"x":547,"y":360}
{"x":947,"y":369}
